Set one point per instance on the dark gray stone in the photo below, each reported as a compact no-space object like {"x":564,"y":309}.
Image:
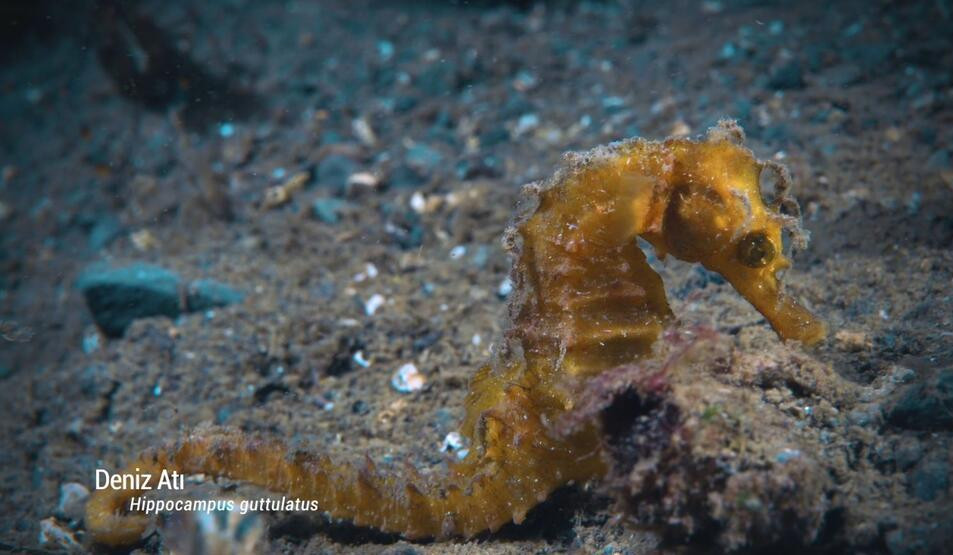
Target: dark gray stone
{"x":925,"y":406}
{"x":117,"y":296}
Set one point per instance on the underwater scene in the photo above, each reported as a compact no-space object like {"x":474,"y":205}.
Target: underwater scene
{"x":426,"y":277}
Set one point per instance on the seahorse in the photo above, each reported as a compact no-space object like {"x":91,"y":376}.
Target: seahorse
{"x":585,"y":300}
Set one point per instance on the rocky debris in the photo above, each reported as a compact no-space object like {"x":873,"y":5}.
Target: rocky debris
{"x":117,"y":296}
{"x":54,"y":536}
{"x":712,"y":450}
{"x":72,"y":504}
{"x":927,"y":405}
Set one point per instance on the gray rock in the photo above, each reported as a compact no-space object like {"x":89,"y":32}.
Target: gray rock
{"x":925,"y":406}
{"x":117,"y":296}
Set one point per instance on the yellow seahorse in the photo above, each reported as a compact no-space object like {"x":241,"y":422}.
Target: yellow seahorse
{"x":585,"y":301}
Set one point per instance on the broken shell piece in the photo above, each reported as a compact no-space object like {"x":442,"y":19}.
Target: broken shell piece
{"x":408,"y":379}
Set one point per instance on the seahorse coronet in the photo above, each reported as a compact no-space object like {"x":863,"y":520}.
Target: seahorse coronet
{"x":585,"y":301}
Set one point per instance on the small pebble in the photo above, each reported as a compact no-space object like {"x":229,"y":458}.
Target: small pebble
{"x":455,"y":443}
{"x":457,"y":252}
{"x":505,"y":288}
{"x":364,"y":132}
{"x":787,"y":454}
{"x":385,"y":49}
{"x":91,"y":343}
{"x":226,"y":130}
{"x":525,"y":124}
{"x":358,"y":358}
{"x":370,"y":272}
{"x":408,"y":379}
{"x":524,"y":81}
{"x":362,"y":181}
{"x":373,"y":303}
{"x":418,"y":203}
{"x":72,"y":503}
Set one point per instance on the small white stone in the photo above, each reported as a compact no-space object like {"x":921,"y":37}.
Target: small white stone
{"x":358,"y":358}
{"x":408,"y":379}
{"x":505,"y":288}
{"x":525,"y":124}
{"x":455,"y":443}
{"x":457,"y":252}
{"x":362,"y":180}
{"x":370,"y":270}
{"x":372,"y":304}
{"x":418,"y":203}
{"x":363,"y":131}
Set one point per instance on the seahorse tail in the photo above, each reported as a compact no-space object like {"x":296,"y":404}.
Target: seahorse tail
{"x":482,"y":493}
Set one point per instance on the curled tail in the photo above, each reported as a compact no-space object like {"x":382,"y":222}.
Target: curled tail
{"x":516,"y":468}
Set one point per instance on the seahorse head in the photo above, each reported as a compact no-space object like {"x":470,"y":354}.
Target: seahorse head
{"x":716,"y":216}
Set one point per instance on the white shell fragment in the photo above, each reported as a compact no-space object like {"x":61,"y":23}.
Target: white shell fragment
{"x":408,"y":379}
{"x":372,"y":304}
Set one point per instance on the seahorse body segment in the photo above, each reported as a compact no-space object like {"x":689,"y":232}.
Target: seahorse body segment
{"x":585,"y":301}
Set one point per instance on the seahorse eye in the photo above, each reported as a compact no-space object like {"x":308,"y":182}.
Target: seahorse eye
{"x":755,"y":250}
